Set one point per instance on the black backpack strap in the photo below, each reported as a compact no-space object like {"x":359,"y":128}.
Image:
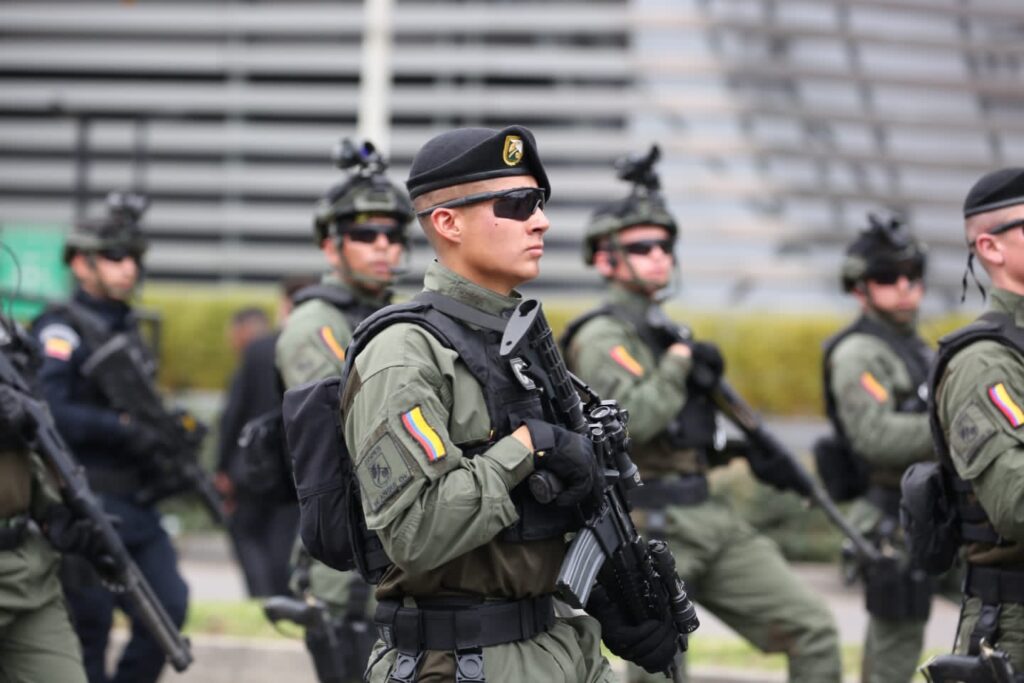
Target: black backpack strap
{"x":339,"y":297}
{"x":576,"y":324}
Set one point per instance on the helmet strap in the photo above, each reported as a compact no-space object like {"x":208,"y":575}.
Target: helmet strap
{"x":366,"y":283}
{"x":970,"y":269}
{"x":615,"y":252}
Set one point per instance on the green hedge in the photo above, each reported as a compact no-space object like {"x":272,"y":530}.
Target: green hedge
{"x":774,"y":360}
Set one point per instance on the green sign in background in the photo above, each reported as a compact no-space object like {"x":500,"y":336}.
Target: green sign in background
{"x":36,"y":272}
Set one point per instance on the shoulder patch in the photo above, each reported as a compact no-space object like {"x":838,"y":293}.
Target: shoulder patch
{"x":624,"y":358}
{"x":970,"y":429}
{"x":425,"y":435}
{"x":59,"y":341}
{"x":382,"y":472}
{"x":1000,"y":397}
{"x":871,"y":385}
{"x":329,"y":340}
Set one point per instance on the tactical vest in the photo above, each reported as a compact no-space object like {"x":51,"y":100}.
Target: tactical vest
{"x":916,"y":357}
{"x":339,"y":297}
{"x":694,"y":428}
{"x":508,"y":403}
{"x":975,"y":526}
{"x":96,"y":332}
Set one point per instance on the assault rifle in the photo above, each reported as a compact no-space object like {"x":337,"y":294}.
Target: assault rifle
{"x":117,"y":367}
{"x":990,"y":666}
{"x":122,"y":571}
{"x":640,"y":575}
{"x":765,"y":444}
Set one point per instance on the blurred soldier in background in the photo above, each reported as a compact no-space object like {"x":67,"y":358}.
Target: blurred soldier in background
{"x":620,"y":349}
{"x":360,"y":225}
{"x":37,"y":642}
{"x":105,"y":257}
{"x":875,"y":379}
{"x":977,"y":415}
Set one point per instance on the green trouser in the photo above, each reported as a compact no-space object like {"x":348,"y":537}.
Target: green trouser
{"x":891,"y":650}
{"x":1009,"y":636}
{"x":742,"y":578}
{"x":570,"y":652}
{"x":37,"y":642}
{"x":330,"y":585}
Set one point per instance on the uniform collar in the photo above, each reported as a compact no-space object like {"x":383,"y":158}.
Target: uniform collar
{"x":114,"y":312}
{"x":445,"y":281}
{"x":908,"y":329}
{"x":625,"y":298}
{"x":362,"y":296}
{"x":1010,"y":303}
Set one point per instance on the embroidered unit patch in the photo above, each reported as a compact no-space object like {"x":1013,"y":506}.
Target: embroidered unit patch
{"x":873,"y":387}
{"x":621,"y":356}
{"x":428,"y":439}
{"x":59,"y":341}
{"x":1007,"y":406}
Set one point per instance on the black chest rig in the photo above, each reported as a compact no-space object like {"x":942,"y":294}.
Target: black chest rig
{"x":695,"y":427}
{"x":342,"y":299}
{"x":975,"y":526}
{"x":912,"y":351}
{"x":508,"y":403}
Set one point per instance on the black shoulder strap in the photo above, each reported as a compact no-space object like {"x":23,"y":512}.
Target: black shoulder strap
{"x":576,"y":324}
{"x":460,"y":311}
{"x":991,"y":325}
{"x":94,"y":330}
{"x":338,"y":297}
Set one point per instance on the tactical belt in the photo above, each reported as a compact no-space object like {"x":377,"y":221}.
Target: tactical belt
{"x":113,"y":482}
{"x":691,"y":489}
{"x":995,"y":586}
{"x":13,"y":531}
{"x":416,"y":629}
{"x":885,"y":499}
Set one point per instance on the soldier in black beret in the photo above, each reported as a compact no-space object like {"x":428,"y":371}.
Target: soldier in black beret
{"x":977,"y":419}
{"x":444,"y":438}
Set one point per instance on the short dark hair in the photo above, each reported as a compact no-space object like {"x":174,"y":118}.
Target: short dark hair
{"x":250,"y":314}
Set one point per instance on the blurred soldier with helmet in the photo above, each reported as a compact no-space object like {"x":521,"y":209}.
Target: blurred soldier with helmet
{"x":875,"y":378}
{"x":360,"y":226}
{"x":105,"y":257}
{"x":629,"y":351}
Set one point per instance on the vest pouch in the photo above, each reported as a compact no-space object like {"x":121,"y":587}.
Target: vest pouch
{"x":695,"y":425}
{"x":929,"y":517}
{"x":262,"y":468}
{"x":894,"y":592}
{"x":324,"y":477}
{"x":844,"y":473}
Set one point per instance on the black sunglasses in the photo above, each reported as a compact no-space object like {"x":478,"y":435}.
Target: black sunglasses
{"x":118,"y":254}
{"x":516,"y":204}
{"x":891,"y":276}
{"x":645,"y":247}
{"x":1006,"y":227}
{"x":367,"y":234}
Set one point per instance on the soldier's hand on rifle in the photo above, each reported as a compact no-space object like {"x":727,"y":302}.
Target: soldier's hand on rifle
{"x":651,"y":644}
{"x":708,"y":365}
{"x":141,"y":440}
{"x":570,"y":457}
{"x":14,"y":421}
{"x":77,"y":536}
{"x":775,"y":470}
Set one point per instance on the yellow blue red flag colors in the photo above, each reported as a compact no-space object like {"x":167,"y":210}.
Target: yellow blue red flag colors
{"x":428,"y":439}
{"x":624,"y":358}
{"x":874,"y":387}
{"x":1007,"y":406}
{"x":328,"y":338}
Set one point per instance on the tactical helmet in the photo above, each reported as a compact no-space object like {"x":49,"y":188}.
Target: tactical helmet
{"x":885,"y":244}
{"x":366,"y":190}
{"x":643,"y":206}
{"x":119,"y":229}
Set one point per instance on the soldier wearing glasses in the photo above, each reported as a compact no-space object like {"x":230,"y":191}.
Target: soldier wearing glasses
{"x":621,"y":351}
{"x":360,"y":226}
{"x":977,"y":419}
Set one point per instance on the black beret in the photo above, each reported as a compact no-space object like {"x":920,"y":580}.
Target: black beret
{"x":995,"y":190}
{"x":466,"y":155}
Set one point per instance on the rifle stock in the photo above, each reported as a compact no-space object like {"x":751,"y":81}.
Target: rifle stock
{"x":82,"y":502}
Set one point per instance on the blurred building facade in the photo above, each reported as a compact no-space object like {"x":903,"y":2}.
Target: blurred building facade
{"x":781,"y":122}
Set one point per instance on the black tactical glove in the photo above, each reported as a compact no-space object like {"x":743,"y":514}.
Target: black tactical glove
{"x":570,"y":457}
{"x":652,"y":644}
{"x":142,"y":440}
{"x":14,"y":420}
{"x":776,"y":470}
{"x":708,"y":365}
{"x":78,"y":536}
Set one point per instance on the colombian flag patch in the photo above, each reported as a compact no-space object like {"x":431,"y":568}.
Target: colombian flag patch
{"x":873,"y":387}
{"x":621,"y":356}
{"x":1007,"y":406}
{"x":425,"y":436}
{"x":327,"y":336}
{"x":58,"y":348}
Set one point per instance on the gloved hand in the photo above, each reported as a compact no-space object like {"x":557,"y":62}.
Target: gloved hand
{"x":652,"y":644}
{"x":708,"y":365}
{"x":570,"y":457}
{"x":142,"y":440}
{"x":775,"y":470}
{"x":78,"y":536}
{"x":14,"y":420}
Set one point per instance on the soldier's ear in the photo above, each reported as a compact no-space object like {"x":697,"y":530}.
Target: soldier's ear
{"x":604,"y":262}
{"x":447,"y":225}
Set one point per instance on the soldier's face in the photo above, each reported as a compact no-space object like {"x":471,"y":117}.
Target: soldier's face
{"x":370,"y":251}
{"x":112,"y":277}
{"x":645,"y":252}
{"x":899,"y":300}
{"x":500,"y":253}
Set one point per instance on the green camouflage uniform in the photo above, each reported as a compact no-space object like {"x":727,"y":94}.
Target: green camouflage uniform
{"x":889,"y":441}
{"x":728,"y":567}
{"x":304,"y":353}
{"x":440,"y":520}
{"x":988,"y":451}
{"x":37,"y":642}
